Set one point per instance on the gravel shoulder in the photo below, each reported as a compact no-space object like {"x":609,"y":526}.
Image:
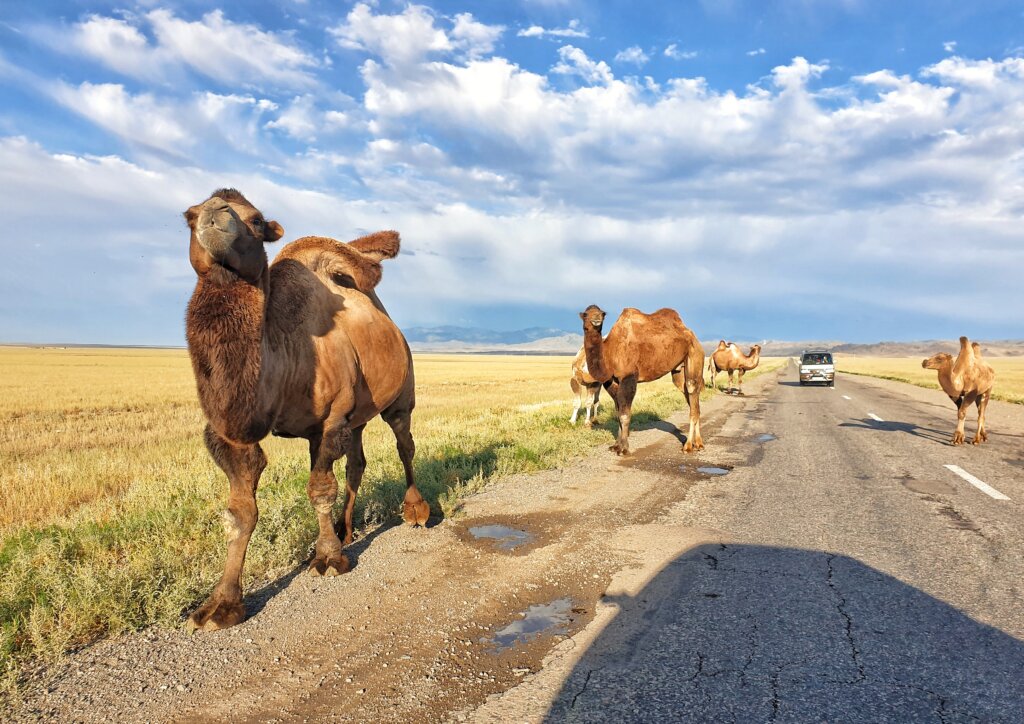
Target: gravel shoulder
{"x":409,"y":633}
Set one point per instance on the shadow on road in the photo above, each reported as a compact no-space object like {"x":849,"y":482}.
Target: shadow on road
{"x":757,"y":634}
{"x":928,"y":433}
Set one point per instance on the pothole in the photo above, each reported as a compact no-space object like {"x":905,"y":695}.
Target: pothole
{"x":766,"y":437}
{"x":711,"y":469}
{"x":505,"y":538}
{"x":540,"y":619}
{"x":926,"y":487}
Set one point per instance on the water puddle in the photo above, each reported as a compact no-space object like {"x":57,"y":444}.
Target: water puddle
{"x":712,"y":470}
{"x":543,"y":618}
{"x":767,"y":437}
{"x":504,"y":537}
{"x":927,"y":487}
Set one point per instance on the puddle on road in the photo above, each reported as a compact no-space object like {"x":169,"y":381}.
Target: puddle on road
{"x":926,"y":487}
{"x":544,"y":618}
{"x":766,"y":437}
{"x":504,"y":537}
{"x":712,"y":470}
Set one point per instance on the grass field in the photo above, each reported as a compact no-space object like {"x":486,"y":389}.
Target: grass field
{"x":1009,"y":384}
{"x":109,"y":503}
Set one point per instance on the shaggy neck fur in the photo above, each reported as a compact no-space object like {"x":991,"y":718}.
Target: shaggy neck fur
{"x":593,"y":345}
{"x":225,"y":327}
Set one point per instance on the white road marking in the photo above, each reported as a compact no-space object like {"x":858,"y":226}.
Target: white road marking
{"x":980,"y":485}
{"x":847,"y":397}
{"x":875,"y":417}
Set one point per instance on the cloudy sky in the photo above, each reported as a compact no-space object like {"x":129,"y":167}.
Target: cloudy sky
{"x":831,"y":169}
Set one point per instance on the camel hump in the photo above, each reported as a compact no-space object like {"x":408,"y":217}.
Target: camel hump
{"x":342,"y":264}
{"x":379,"y":245}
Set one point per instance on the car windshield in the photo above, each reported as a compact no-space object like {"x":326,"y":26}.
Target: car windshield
{"x":817,"y":359}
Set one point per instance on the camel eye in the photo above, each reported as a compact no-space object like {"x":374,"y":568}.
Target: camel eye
{"x":257,"y":221}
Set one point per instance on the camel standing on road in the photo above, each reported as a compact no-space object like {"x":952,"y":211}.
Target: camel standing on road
{"x":302,"y":348}
{"x":642,"y":348}
{"x":584,"y":387}
{"x":967,"y":380}
{"x":728,"y":358}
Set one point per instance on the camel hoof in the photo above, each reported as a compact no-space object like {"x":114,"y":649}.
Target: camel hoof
{"x":329,"y":566}
{"x":416,"y":513}
{"x":216,"y":614}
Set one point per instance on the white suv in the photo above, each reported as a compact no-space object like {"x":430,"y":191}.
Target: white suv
{"x":816,"y":366}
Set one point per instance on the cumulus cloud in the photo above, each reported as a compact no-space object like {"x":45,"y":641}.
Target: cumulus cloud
{"x":474,"y":38}
{"x":572,"y":30}
{"x":758,"y":51}
{"x":228,"y":52}
{"x":634,"y":54}
{"x":399,"y":39}
{"x":672,"y":51}
{"x":949,"y":46}
{"x":573,"y":61}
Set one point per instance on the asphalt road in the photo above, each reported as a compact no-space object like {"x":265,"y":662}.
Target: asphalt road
{"x":857,"y":578}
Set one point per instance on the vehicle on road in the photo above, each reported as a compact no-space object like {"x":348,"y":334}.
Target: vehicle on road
{"x":816,"y":366}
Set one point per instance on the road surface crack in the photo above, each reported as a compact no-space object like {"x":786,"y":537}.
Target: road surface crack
{"x":848,"y":623}
{"x":586,"y":682}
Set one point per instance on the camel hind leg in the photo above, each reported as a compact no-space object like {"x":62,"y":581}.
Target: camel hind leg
{"x":593,"y":393}
{"x":961,"y":416}
{"x":415,"y":510}
{"x":691,"y":392}
{"x":324,"y":450}
{"x":355,"y":465}
{"x":577,"y":392}
{"x":243,"y":464}
{"x":982,"y":434}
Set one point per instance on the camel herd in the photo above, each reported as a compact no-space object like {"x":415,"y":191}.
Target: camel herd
{"x":304,"y":348}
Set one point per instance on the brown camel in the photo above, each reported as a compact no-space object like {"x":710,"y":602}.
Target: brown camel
{"x":966,"y":380}
{"x":728,"y":358}
{"x":642,"y":348}
{"x":302,"y":348}
{"x":581,"y":381}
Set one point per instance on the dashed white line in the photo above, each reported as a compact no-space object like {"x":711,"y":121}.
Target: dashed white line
{"x":875,"y":417}
{"x":980,"y":485}
{"x":847,"y":397}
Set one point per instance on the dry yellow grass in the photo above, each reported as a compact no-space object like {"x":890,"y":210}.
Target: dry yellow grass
{"x":1009,"y":384}
{"x":109,"y":502}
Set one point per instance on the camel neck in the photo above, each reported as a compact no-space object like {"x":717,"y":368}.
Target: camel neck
{"x":593,"y":346}
{"x":947,"y":381}
{"x":225,"y":329}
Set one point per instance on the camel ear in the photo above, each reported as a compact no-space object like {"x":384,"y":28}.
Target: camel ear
{"x":583,"y":316}
{"x":272,"y":231}
{"x":379,"y":245}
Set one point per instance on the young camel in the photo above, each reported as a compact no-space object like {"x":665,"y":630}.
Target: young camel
{"x":967,"y":380}
{"x":302,"y":348}
{"x":728,"y":358}
{"x":642,"y":348}
{"x":582,"y":380}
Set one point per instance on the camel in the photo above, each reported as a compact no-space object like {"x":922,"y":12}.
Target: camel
{"x":582,"y":380}
{"x":966,"y":380}
{"x":728,"y":358}
{"x":301,"y":348}
{"x":642,"y":348}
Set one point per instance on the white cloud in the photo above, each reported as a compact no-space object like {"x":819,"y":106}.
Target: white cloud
{"x":949,"y":46}
{"x":758,"y":51}
{"x":572,"y":30}
{"x":300,"y":120}
{"x":672,"y":51}
{"x":475,"y":38}
{"x":230,"y":53}
{"x":573,"y":61}
{"x":633,"y":54}
{"x":399,"y":39}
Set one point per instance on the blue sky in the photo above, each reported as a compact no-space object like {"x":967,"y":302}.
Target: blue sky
{"x":800,"y":169}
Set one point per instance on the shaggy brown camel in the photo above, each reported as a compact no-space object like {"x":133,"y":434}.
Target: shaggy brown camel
{"x":642,"y":348}
{"x":728,"y":358}
{"x":581,"y":381}
{"x":302,"y":348}
{"x":966,"y":380}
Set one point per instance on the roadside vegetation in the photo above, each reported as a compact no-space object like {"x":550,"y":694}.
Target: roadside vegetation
{"x":1009,"y":385}
{"x":109,"y":504}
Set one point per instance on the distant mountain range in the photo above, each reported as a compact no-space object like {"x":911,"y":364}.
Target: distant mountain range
{"x":546,"y":340}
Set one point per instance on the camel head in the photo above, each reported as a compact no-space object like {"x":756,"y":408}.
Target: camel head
{"x":937,"y":361}
{"x":229,"y":232}
{"x":593,"y":316}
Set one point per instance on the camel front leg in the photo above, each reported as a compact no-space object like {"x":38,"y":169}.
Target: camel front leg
{"x":731,"y":383}
{"x":739,"y":382}
{"x":961,"y":415}
{"x":243,"y":464}
{"x":626,"y":390}
{"x":355,"y":464}
{"x":691,"y":391}
{"x":415,"y":510}
{"x":981,"y":435}
{"x":324,"y":450}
